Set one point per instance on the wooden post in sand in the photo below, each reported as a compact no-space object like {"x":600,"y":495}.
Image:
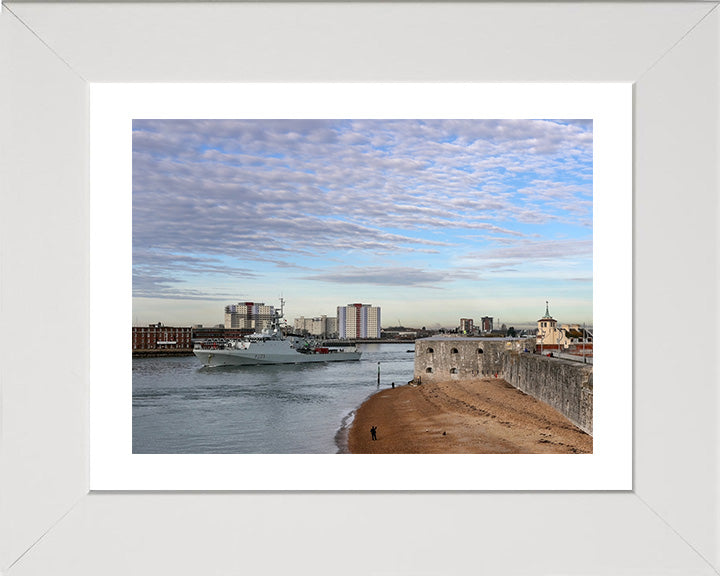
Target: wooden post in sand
{"x":378,"y":373}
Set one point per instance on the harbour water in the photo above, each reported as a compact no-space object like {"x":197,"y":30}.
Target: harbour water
{"x":180,"y":407}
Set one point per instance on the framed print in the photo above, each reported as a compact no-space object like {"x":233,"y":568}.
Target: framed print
{"x":115,"y":108}
{"x":56,"y":57}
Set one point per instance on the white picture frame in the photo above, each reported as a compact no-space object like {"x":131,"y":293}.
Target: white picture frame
{"x":50,"y":53}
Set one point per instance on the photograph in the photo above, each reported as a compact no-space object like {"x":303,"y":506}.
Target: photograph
{"x":354,"y":286}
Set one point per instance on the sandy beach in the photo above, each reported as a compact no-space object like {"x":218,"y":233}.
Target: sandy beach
{"x":483,"y":416}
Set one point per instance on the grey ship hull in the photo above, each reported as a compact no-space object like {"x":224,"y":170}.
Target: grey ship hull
{"x":250,"y":358}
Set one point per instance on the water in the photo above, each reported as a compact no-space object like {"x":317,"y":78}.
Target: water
{"x":180,"y":407}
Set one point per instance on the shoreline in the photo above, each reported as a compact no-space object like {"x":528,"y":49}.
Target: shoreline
{"x":480,"y":416}
{"x":342,"y":434}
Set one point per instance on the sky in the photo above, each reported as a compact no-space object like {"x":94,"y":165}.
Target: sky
{"x":431,"y":220}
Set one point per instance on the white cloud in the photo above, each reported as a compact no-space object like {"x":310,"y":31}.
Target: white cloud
{"x":215,"y":199}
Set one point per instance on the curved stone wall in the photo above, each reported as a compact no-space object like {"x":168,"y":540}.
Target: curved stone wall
{"x":441,"y":359}
{"x":565,"y":385}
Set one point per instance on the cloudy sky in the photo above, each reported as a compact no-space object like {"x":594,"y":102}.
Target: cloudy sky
{"x":432,"y":220}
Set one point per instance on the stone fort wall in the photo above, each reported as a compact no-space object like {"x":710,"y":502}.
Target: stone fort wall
{"x":565,"y":385}
{"x":440,"y":359}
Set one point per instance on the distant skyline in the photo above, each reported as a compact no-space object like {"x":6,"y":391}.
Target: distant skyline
{"x":432,"y":220}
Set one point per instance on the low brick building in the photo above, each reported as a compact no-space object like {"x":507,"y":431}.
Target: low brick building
{"x":160,"y":340}
{"x":160,"y":337}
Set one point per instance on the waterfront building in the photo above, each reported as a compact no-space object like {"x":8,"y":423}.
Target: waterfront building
{"x":550,"y":336}
{"x":321,"y":326}
{"x":486,"y":324}
{"x":248,"y":316}
{"x":399,"y":334}
{"x":358,"y":321}
{"x":160,"y":337}
{"x":578,"y":337}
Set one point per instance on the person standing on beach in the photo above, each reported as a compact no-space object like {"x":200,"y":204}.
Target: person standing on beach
{"x":373,"y":432}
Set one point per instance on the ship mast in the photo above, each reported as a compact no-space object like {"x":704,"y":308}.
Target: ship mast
{"x":276,"y":317}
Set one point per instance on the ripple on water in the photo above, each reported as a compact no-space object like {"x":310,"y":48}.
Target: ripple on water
{"x":181,"y":407}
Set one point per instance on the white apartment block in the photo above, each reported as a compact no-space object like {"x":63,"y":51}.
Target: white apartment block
{"x":318,"y":326}
{"x":358,"y":321}
{"x":467,"y":325}
{"x":248,"y":315}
